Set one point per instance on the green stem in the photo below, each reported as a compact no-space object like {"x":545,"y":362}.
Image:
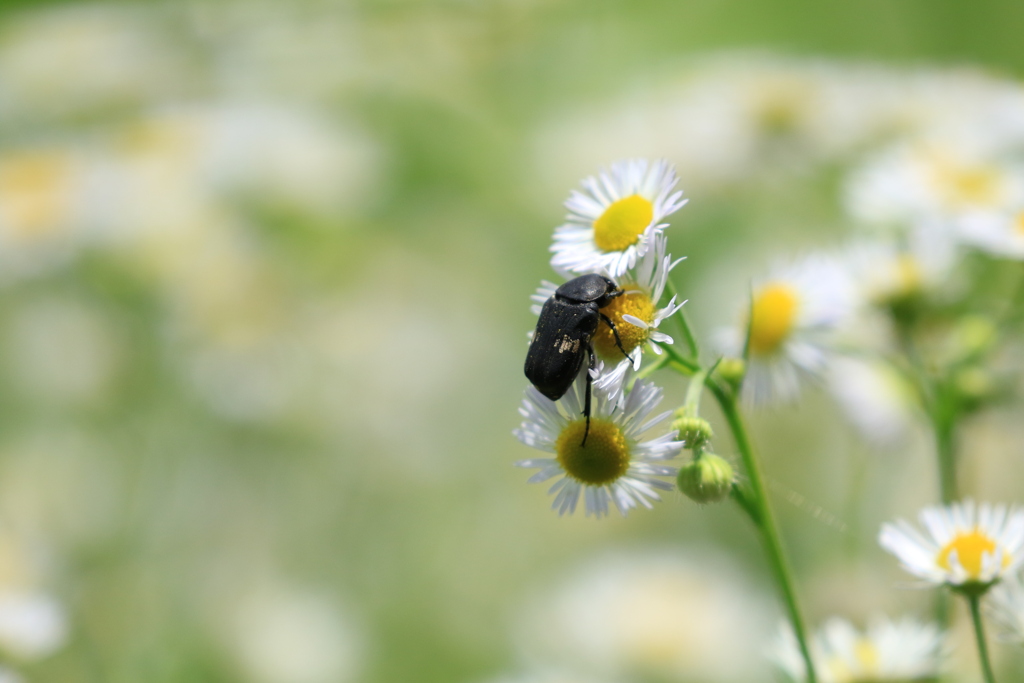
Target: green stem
{"x":691,"y":340}
{"x":754,"y":500}
{"x":650,"y":369}
{"x":765,"y":521}
{"x":684,"y":365}
{"x":694,"y":392}
{"x":979,"y":633}
{"x":742,"y":498}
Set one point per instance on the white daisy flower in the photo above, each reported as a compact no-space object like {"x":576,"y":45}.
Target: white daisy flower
{"x":634,"y":313}
{"x":888,"y":274}
{"x":614,"y":220}
{"x":877,"y":400}
{"x":934,"y":180}
{"x":965,"y":544}
{"x":790,"y":318}
{"x":614,"y":464}
{"x":649,"y":614}
{"x":904,"y":650}
{"x":1006,"y":608}
{"x":999,"y":233}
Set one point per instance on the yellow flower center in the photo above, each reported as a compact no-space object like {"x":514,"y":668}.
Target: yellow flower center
{"x":908,"y":275}
{"x":970,"y":548}
{"x":971,"y":185}
{"x":35,"y":193}
{"x":865,"y":663}
{"x":1018,"y":223}
{"x":622,"y":223}
{"x":635,"y":303}
{"x":601,"y":461}
{"x":772,"y":317}
{"x":867,"y":655}
{"x":780,"y":104}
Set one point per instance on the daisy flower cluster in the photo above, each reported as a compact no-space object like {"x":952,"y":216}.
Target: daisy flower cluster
{"x":908,"y":320}
{"x":615,"y":229}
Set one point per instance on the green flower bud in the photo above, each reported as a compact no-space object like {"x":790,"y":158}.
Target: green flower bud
{"x":707,"y":479}
{"x":732,"y":370}
{"x":975,"y":334}
{"x":694,"y":431}
{"x":974,"y":385}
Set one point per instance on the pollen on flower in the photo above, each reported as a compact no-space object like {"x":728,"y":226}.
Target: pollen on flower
{"x":970,"y":549}
{"x":603,"y":459}
{"x":635,"y":303}
{"x":772,"y":317}
{"x":622,"y":223}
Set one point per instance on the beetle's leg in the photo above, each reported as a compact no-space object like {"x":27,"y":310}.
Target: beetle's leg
{"x":615,"y":333}
{"x":586,"y":401}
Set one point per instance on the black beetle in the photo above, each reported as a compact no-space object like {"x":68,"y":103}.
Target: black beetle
{"x":562,"y":339}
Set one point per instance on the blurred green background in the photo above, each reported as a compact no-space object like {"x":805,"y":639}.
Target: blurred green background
{"x":264,"y":280}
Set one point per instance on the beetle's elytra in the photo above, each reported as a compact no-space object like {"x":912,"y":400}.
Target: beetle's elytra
{"x":563,"y":336}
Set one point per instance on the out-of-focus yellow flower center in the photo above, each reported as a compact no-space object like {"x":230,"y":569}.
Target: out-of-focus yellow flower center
{"x":622,"y":223}
{"x":968,"y":185}
{"x":772,"y":317}
{"x":866,"y":663}
{"x":908,"y":275}
{"x":780,"y":104}
{"x":635,"y":303}
{"x":970,"y":548}
{"x":1018,"y":223}
{"x":601,"y":461}
{"x":867,"y":655}
{"x":35,"y":193}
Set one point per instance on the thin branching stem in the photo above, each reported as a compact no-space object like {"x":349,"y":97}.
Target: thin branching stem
{"x":754,"y":500}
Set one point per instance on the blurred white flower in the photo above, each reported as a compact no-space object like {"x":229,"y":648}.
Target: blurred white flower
{"x":10,"y":676}
{"x":162,"y":170}
{"x":62,"y":60}
{"x":904,"y":650}
{"x":999,"y":232}
{"x":32,"y":625}
{"x":792,"y":319}
{"x":966,"y":544}
{"x":880,"y":402}
{"x":288,"y":635}
{"x":614,"y":464}
{"x":614,"y":221}
{"x":1005,"y":606}
{"x":718,"y":121}
{"x":668,"y":615}
{"x":45,"y":199}
{"x":934,"y":182}
{"x":885,"y":273}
